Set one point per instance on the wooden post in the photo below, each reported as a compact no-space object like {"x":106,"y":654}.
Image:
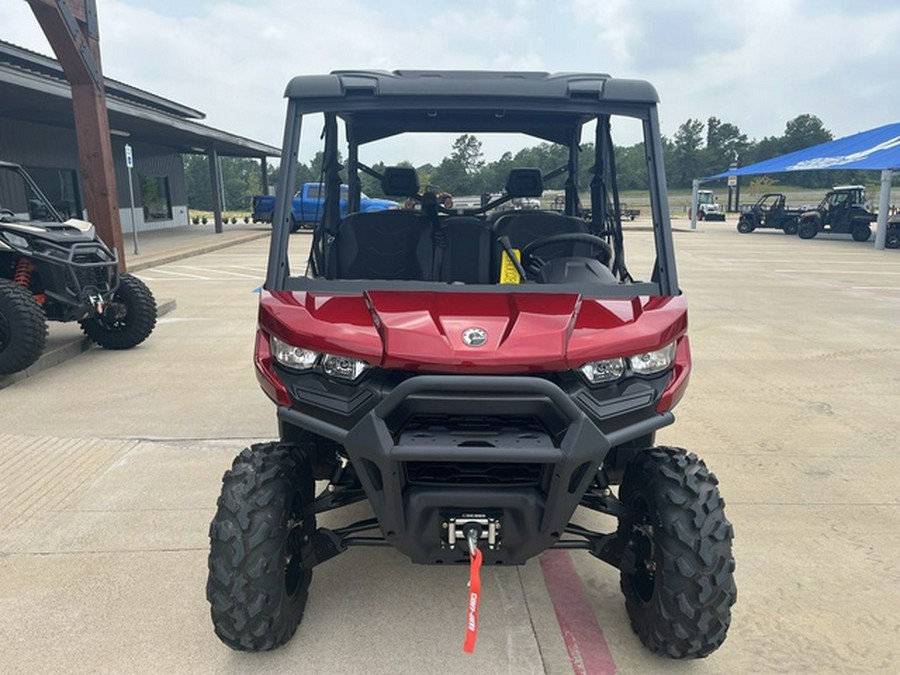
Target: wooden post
{"x":72,"y":30}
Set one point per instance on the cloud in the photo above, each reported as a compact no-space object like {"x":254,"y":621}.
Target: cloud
{"x":755,"y":64}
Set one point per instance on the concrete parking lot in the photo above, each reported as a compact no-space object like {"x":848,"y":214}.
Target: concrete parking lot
{"x":110,"y":464}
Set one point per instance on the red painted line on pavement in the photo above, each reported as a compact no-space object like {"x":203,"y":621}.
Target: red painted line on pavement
{"x":584,"y":640}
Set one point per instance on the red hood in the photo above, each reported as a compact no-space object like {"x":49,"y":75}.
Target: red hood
{"x":526,"y":332}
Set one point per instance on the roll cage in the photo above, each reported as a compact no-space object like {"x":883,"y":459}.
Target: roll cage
{"x":374,"y":105}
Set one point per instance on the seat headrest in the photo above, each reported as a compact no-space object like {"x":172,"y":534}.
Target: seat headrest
{"x":400,"y":181}
{"x":525,"y":183}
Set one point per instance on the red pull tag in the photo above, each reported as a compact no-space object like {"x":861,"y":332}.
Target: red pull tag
{"x":474,"y":598}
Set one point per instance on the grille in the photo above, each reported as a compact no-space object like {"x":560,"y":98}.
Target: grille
{"x":473,"y":473}
{"x":91,"y":276}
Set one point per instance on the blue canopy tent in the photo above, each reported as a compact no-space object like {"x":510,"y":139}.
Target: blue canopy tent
{"x":875,"y":150}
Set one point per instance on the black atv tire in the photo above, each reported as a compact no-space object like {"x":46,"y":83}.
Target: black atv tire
{"x":808,"y":229}
{"x":861,"y":233}
{"x":257,"y":587}
{"x":681,"y":589}
{"x":745,"y":226}
{"x":23,"y":328}
{"x":893,"y":238}
{"x":128,"y":321}
{"x":790,"y":227}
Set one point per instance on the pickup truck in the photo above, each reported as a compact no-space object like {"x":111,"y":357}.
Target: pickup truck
{"x":307,"y":206}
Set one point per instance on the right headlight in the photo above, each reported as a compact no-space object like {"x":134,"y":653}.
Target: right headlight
{"x":657,"y":361}
{"x":16,"y":240}
{"x":648,"y":363}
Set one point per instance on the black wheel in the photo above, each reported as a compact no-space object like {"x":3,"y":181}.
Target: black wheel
{"x":128,"y":320}
{"x":447,"y":202}
{"x":790,"y":227}
{"x":893,"y":238}
{"x":257,"y":586}
{"x":680,"y":592}
{"x":808,"y":229}
{"x":295,"y":226}
{"x":23,"y":328}
{"x":745,"y":226}
{"x":861,"y":233}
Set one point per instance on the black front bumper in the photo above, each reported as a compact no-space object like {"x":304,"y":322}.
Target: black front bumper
{"x":419,"y":481}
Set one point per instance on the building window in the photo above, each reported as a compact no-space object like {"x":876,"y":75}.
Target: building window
{"x":60,"y":186}
{"x":155,"y":197}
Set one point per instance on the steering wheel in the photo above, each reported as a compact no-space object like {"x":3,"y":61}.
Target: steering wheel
{"x":533,"y":263}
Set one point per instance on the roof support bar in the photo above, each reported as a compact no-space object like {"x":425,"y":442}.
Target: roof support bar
{"x":216,"y":186}
{"x":884,"y":204}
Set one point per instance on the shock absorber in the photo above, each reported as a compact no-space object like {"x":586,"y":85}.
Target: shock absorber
{"x":24,"y":270}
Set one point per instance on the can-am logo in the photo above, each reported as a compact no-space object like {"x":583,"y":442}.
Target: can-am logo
{"x":474,"y":337}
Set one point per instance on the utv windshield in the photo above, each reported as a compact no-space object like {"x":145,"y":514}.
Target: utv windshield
{"x":21,"y":200}
{"x":547,"y":218}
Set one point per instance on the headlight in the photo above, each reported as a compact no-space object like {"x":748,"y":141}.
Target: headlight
{"x":16,"y":240}
{"x":343,"y":367}
{"x":649,"y":363}
{"x":293,"y":357}
{"x":653,"y":362}
{"x":603,"y":371}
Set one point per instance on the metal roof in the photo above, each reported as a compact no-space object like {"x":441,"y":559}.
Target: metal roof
{"x":875,"y":149}
{"x":552,"y":106}
{"x":33,"y":88}
{"x":344,"y":84}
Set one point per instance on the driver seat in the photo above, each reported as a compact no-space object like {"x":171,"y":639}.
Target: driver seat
{"x":524,"y":227}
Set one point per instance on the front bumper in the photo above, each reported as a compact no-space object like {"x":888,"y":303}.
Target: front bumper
{"x":418,"y":480}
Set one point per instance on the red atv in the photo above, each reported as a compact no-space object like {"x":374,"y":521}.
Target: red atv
{"x":476,"y":379}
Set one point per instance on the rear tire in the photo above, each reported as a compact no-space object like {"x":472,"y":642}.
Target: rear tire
{"x":808,"y":229}
{"x":23,"y":328}
{"x":257,"y":587}
{"x":861,"y":233}
{"x":680,"y":592}
{"x":129,"y":319}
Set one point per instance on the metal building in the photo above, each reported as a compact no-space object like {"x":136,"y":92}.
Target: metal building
{"x":37,"y":130}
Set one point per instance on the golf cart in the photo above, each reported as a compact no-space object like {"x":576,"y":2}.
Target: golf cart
{"x":769,"y":211}
{"x":843,"y":210}
{"x":892,"y":240}
{"x":57,"y":270}
{"x":477,"y":379}
{"x":708,"y":206}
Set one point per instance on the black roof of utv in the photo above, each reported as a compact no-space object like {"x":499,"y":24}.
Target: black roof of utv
{"x":546,"y":105}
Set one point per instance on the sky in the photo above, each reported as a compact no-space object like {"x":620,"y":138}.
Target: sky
{"x":754,"y":63}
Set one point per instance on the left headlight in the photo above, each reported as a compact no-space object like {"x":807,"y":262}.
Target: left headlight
{"x":333,"y":365}
{"x":293,"y":357}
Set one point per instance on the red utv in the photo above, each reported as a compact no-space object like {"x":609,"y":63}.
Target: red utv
{"x":477,"y":379}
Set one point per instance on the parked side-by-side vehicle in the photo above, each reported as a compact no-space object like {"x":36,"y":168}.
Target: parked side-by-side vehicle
{"x":486,"y":379}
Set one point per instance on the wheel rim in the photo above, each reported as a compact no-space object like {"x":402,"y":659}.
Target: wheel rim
{"x":640,"y":541}
{"x":115,"y":317}
{"x":295,"y":539}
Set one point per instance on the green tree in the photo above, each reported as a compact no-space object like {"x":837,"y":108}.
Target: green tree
{"x":687,"y":162}
{"x":724,"y":142}
{"x":467,"y":152}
